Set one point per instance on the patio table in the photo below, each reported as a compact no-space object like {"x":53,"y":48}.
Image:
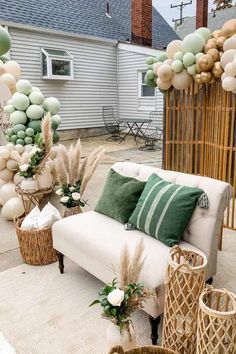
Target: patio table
{"x":135,"y":127}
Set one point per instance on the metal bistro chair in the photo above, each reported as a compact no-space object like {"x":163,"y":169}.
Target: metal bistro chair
{"x":142,"y":350}
{"x":153,"y":133}
{"x":111,"y":123}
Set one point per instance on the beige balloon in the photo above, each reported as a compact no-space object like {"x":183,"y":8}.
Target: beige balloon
{"x":173,"y":47}
{"x":206,"y":77}
{"x":214,"y":53}
{"x":165,"y":72}
{"x":216,"y":34}
{"x":9,"y":80}
{"x":181,"y":80}
{"x":13,"y":68}
{"x":198,"y":79}
{"x":156,"y":67}
{"x":220,"y":42}
{"x":163,"y":85}
{"x":229,"y":28}
{"x":2,"y":69}
{"x":217,"y":70}
{"x":205,"y":62}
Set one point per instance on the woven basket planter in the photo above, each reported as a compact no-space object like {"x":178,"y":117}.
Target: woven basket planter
{"x":72,"y":211}
{"x":142,"y":350}
{"x":36,"y":245}
{"x":185,"y":281}
{"x":216,"y":332}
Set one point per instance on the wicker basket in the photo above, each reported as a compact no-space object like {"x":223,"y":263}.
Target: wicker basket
{"x":185,"y":281}
{"x":142,"y":350}
{"x":36,"y":245}
{"x":216,"y":331}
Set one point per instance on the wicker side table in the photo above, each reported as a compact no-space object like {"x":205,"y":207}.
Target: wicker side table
{"x":38,"y":198}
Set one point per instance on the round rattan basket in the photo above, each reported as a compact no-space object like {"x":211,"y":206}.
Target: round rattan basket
{"x":185,"y":280}
{"x":142,"y":350}
{"x":36,"y":245}
{"x":216,"y":331}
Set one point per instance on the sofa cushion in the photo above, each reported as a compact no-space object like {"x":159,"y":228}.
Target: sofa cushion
{"x":119,"y":197}
{"x":164,"y":209}
{"x":86,"y":239}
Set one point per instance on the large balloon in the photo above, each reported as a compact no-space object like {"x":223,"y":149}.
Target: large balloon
{"x":36,"y":97}
{"x":13,"y":68}
{"x":163,"y":85}
{"x":9,"y":80}
{"x":34,"y":111}
{"x":173,"y":47}
{"x":177,"y":66}
{"x":7,"y":192}
{"x":52,"y":105}
{"x":193,"y":43}
{"x":5,"y":41}
{"x":164,"y":72}
{"x":24,"y":86}
{"x":204,"y":32}
{"x":230,"y":69}
{"x":13,"y":208}
{"x":181,"y":80}
{"x":18,"y":117}
{"x":20,"y":101}
{"x":229,"y":83}
{"x":188,"y":59}
{"x":229,"y":28}
{"x":230,"y":43}
{"x":227,"y":57}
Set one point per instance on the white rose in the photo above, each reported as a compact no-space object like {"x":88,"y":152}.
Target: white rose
{"x":76,"y":196}
{"x":24,"y":167}
{"x":64,"y":199}
{"x":72,"y":189}
{"x":59,"y":192}
{"x":34,"y":150}
{"x":116,"y":297}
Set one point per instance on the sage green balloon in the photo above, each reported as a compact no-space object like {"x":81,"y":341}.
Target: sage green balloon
{"x":13,"y":139}
{"x":9,"y":132}
{"x":57,"y":118}
{"x":149,"y":82}
{"x":55,"y":137}
{"x":4,"y":58}
{"x":23,"y":86}
{"x":21,"y":134}
{"x":162,"y":57}
{"x":10,"y":102}
{"x":54,"y":124}
{"x":20,"y":142}
{"x":35,"y":125}
{"x":52,"y":105}
{"x":5,"y":41}
{"x":193,"y":43}
{"x":29,"y":132}
{"x":204,"y":32}
{"x":150,"y":60}
{"x":18,"y":127}
{"x":36,"y":97}
{"x":7,"y":138}
{"x":18,"y":117}
{"x":177,"y":66}
{"x":34,"y":112}
{"x":178,"y":56}
{"x":9,"y":108}
{"x":150,"y":74}
{"x":191,"y":69}
{"x":28,"y":140}
{"x":34,"y":88}
{"x":188,"y":59}
{"x":20,"y":101}
{"x":150,"y":67}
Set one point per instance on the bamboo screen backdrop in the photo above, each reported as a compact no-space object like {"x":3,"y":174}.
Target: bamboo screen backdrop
{"x":200,"y":136}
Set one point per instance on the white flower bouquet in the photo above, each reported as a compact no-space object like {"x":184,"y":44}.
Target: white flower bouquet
{"x":70,"y":196}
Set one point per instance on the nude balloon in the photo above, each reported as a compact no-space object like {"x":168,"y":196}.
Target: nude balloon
{"x":173,"y":47}
{"x":13,"y":68}
{"x":181,"y":80}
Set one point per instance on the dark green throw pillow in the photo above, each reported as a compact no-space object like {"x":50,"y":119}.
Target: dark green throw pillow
{"x":119,"y":197}
{"x":164,"y":209}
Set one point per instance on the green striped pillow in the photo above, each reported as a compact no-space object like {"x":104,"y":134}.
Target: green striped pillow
{"x":164,"y":209}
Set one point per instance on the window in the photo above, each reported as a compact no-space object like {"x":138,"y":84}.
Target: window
{"x":57,"y":64}
{"x":144,"y":90}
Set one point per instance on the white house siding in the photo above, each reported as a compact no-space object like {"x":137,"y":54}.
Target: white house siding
{"x":130,"y":60}
{"x":95,"y":74}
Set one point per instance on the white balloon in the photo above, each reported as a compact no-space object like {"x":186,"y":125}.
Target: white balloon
{"x":4,"y":153}
{"x":229,"y":83}
{"x":230,"y":69}
{"x":230,"y":43}
{"x":17,"y":178}
{"x":6,"y":175}
{"x":7,"y":192}
{"x":2,"y":182}
{"x":3,"y":163}
{"x":12,"y":165}
{"x":227,"y":57}
{"x":13,"y":208}
{"x":20,"y":148}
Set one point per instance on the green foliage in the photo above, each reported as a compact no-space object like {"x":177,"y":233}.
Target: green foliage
{"x":33,"y":165}
{"x":134,"y":296}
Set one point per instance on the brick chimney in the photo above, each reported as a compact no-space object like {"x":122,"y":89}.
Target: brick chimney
{"x":201,"y":13}
{"x":141,"y":29}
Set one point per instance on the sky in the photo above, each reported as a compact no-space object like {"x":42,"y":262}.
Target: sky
{"x":163,"y":6}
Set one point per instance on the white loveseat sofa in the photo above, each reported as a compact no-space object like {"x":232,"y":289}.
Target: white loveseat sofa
{"x":94,"y":241}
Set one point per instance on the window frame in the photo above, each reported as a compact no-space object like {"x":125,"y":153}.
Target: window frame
{"x":49,"y":59}
{"x":140,"y":84}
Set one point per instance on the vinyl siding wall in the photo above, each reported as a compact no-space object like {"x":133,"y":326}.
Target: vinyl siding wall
{"x":95,"y":74}
{"x":131,"y":105}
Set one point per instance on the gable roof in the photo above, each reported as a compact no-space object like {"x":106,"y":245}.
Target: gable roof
{"x":214,"y":23}
{"x":85,"y":17}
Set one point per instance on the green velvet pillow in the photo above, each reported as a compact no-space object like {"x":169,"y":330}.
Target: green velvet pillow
{"x":164,"y":209}
{"x":119,"y":197}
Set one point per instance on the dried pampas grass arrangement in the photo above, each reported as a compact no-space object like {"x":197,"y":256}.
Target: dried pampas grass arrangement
{"x":70,"y":170}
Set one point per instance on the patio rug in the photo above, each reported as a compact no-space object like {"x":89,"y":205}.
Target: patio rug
{"x":44,"y":312}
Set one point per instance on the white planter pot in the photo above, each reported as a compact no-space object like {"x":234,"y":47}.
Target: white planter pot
{"x":44,"y":179}
{"x":114,"y":337}
{"x":29,"y":184}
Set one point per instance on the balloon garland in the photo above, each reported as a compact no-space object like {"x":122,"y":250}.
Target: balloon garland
{"x":202,"y":56}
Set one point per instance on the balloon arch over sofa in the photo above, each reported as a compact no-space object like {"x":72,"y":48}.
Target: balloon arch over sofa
{"x":198,"y":77}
